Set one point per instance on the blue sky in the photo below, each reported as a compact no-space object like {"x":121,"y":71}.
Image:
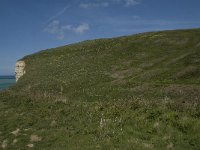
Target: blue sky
{"x":28,"y":26}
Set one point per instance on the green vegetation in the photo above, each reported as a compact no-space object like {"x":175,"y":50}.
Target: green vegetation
{"x":131,"y":92}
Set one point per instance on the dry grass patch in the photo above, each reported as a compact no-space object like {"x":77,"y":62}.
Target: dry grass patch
{"x":14,"y":141}
{"x":151,"y":74}
{"x":187,"y":72}
{"x":176,"y":59}
{"x":190,"y":92}
{"x":4,"y":144}
{"x":120,"y":75}
{"x":16,"y":132}
{"x":151,"y":63}
{"x":35,"y":138}
{"x":142,"y":88}
{"x":30,"y":145}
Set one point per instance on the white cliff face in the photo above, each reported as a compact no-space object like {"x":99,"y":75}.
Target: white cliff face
{"x":19,"y":69}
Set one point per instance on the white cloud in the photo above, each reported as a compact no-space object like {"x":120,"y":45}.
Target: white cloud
{"x":108,"y":3}
{"x":82,"y":28}
{"x":59,"y":30}
{"x":136,"y":17}
{"x":126,"y":3}
{"x":53,"y":27}
{"x":61,"y":12}
{"x":116,"y":1}
{"x":131,"y":2}
{"x":92,"y":5}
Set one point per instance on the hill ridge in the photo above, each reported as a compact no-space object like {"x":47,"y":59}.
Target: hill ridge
{"x":140,"y":91}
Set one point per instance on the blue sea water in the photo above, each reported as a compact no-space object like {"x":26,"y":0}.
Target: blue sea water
{"x":6,"y":81}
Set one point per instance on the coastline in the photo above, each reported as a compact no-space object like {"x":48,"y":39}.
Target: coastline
{"x":7,"y":77}
{"x":6,"y":82}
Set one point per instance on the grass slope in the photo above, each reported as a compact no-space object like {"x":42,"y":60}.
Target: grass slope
{"x":131,"y":92}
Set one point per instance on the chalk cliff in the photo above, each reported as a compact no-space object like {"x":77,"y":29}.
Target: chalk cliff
{"x":19,"y":69}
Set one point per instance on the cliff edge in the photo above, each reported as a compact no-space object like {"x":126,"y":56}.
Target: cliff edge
{"x":19,"y":69}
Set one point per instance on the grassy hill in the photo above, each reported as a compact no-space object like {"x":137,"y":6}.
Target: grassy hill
{"x":132,"y":92}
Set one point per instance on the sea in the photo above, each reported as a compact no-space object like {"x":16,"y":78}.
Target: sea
{"x":6,"y":82}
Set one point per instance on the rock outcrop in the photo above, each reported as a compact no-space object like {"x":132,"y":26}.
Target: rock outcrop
{"x":19,"y":69}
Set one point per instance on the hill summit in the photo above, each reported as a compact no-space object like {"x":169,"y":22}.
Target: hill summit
{"x":122,"y":67}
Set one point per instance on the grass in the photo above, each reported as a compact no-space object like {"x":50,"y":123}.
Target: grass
{"x":132,"y":92}
{"x":98,"y":125}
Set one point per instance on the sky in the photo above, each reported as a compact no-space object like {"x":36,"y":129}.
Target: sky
{"x":28,"y":26}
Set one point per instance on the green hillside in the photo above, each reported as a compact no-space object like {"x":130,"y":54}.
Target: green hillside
{"x":133,"y":92}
